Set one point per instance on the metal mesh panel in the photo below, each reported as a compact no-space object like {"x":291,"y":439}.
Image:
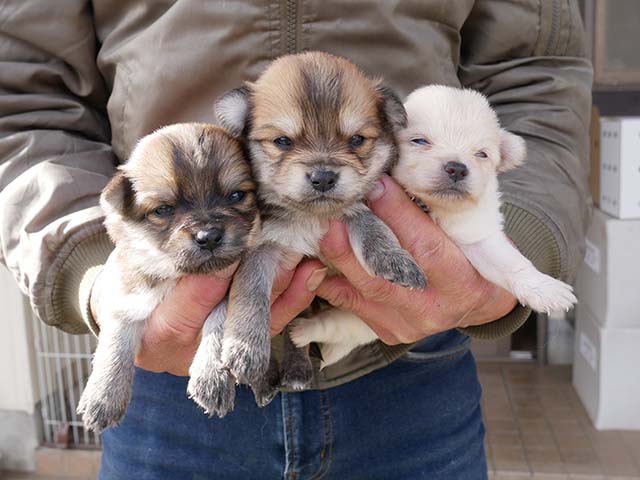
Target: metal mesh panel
{"x":63,"y":364}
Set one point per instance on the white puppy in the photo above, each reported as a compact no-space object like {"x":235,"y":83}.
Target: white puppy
{"x":450,"y":156}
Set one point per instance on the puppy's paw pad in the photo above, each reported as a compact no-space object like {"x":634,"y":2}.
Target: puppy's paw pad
{"x":214,"y":391}
{"x":247,"y":363}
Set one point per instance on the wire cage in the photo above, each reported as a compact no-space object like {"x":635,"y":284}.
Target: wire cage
{"x":63,"y":364}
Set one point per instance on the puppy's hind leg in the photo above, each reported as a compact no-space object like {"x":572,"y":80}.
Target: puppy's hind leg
{"x":105,"y":398}
{"x":379,"y":252}
{"x":296,"y":372}
{"x":246,"y":345}
{"x":210,"y":384}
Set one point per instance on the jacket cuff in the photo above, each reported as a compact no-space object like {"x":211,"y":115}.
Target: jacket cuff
{"x":72,"y":288}
{"x":536,"y":241}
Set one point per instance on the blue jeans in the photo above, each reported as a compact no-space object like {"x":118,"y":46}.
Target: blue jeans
{"x":416,"y":418}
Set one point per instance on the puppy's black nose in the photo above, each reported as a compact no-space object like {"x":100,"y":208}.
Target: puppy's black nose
{"x":323,"y":180}
{"x":209,"y":239}
{"x":456,"y":170}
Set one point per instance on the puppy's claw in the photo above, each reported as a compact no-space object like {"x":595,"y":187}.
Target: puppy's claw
{"x":213,"y":390}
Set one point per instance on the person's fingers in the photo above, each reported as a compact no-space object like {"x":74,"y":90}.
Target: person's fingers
{"x":493,"y":303}
{"x":299,"y":294}
{"x":416,"y":231}
{"x":383,"y":319}
{"x":179,"y":318}
{"x":284,"y":274}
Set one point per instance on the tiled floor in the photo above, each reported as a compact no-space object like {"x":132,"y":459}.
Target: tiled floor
{"x":537,"y":428}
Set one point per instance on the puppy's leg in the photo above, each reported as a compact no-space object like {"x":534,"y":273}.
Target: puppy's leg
{"x":210,"y":384}
{"x":337,"y":331}
{"x":105,"y":398}
{"x":379,"y":252}
{"x":246,"y":345}
{"x":266,"y":389}
{"x":296,"y":372}
{"x":497,"y":260}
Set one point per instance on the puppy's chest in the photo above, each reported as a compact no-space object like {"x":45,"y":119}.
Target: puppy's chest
{"x":300,"y":235}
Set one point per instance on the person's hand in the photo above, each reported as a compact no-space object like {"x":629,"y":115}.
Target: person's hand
{"x":456,"y":295}
{"x":172,"y":332}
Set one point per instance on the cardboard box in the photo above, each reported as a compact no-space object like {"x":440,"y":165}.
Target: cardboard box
{"x":608,"y":281}
{"x":606,"y":374}
{"x":620,"y":166}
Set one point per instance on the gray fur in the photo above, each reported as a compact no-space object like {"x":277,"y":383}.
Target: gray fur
{"x":246,"y":346}
{"x":210,"y":384}
{"x":296,"y":372}
{"x":108,"y":391}
{"x":379,"y":252}
{"x":266,"y":389}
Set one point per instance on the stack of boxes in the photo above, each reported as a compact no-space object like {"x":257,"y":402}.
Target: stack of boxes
{"x":606,"y":371}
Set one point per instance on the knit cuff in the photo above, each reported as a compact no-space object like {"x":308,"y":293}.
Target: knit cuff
{"x":72,"y":288}
{"x":536,"y":241}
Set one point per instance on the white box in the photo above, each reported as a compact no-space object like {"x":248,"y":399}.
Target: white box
{"x":608,"y":281}
{"x":606,"y":374}
{"x":620,"y":166}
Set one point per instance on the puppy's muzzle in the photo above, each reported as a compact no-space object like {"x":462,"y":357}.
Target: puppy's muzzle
{"x":456,"y":171}
{"x":323,"y":180}
{"x":209,"y":239}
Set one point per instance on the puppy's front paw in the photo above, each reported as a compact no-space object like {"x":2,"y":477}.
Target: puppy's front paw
{"x":304,"y":331}
{"x":543,"y":293}
{"x":297,"y":375}
{"x":213,"y":390}
{"x":247,"y":362}
{"x":397,"y":267}
{"x":101,"y":409}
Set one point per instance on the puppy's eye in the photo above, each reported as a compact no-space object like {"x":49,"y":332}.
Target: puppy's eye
{"x":420,"y":141}
{"x":356,"y":141}
{"x":164,"y":211}
{"x":236,"y":196}
{"x":283,"y":142}
{"x":482,"y":154}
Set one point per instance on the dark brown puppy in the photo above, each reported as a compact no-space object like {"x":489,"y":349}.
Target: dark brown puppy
{"x":184,"y":203}
{"x":320,"y":134}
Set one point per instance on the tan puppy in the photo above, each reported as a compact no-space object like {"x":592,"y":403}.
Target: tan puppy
{"x":184,"y":203}
{"x":450,"y":156}
{"x":320,"y":134}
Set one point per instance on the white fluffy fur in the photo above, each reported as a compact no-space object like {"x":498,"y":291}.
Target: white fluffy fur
{"x":457,"y":124}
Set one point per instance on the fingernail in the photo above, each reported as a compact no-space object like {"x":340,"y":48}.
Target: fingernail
{"x":227,"y":272}
{"x":377,"y":191}
{"x":290,"y":260}
{"x":316,"y":278}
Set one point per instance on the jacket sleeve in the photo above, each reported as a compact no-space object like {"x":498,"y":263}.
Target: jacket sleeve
{"x":528,"y":58}
{"x":55,"y":156}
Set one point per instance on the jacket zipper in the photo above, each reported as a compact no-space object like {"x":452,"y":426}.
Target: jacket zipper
{"x":292,"y":26}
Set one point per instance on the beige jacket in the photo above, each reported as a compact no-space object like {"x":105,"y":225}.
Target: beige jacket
{"x":81,"y":81}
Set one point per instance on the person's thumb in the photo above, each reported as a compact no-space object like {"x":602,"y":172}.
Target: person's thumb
{"x":179,"y":318}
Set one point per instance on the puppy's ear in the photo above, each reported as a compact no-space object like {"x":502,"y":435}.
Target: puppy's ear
{"x":513,"y":151}
{"x":117,"y":196}
{"x":232,"y":110}
{"x":392,"y":106}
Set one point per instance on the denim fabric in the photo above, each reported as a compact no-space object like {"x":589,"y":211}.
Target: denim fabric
{"x":416,"y":418}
